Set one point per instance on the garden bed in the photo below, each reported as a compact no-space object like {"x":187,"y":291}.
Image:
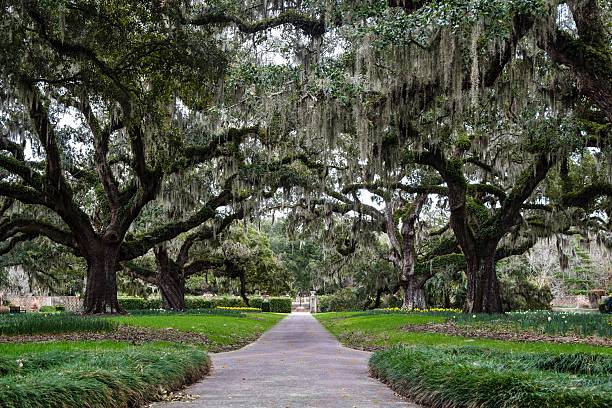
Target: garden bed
{"x":134,"y":335}
{"x":38,"y":323}
{"x":454,"y":329}
{"x":457,"y":377}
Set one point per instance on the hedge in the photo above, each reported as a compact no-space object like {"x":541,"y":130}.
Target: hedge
{"x":279,"y":305}
{"x":134,"y":303}
{"x":343,"y":300}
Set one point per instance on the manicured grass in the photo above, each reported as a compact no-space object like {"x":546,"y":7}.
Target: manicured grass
{"x":222,"y":331}
{"x":455,"y":377}
{"x":94,"y":374}
{"x":383,"y":330}
{"x":35,"y":323}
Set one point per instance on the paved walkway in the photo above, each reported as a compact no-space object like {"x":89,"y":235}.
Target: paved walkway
{"x":295,"y":364}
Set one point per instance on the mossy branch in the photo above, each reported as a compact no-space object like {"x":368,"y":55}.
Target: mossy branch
{"x":308,"y":25}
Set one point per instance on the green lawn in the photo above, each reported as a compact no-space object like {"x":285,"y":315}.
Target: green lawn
{"x":379,"y":331}
{"x":94,"y":374}
{"x":224,"y":332}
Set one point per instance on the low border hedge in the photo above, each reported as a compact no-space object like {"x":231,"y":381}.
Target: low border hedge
{"x":276,"y":304}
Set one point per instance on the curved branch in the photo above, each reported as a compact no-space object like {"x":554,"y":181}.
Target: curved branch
{"x":205,"y":234}
{"x":12,"y":243}
{"x":308,"y":25}
{"x":140,"y":272}
{"x":34,"y":228}
{"x":584,"y":197}
{"x":200,"y":265}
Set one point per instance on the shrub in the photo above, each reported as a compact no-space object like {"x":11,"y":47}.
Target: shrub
{"x":193,"y":303}
{"x":136,"y":303}
{"x":60,"y":308}
{"x":229,"y":301}
{"x":342,"y":301}
{"x":265,"y":306}
{"x":198,"y":302}
{"x":256,"y":302}
{"x":518,"y":290}
{"x":221,"y":311}
{"x":606,"y":305}
{"x":393,"y":301}
{"x":34,"y":323}
{"x":47,"y":309}
{"x":479,"y":377}
{"x":280,"y":305}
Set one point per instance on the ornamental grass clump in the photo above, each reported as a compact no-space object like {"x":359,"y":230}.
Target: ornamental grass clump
{"x":34,"y":323}
{"x":98,"y":378}
{"x":454,"y":377}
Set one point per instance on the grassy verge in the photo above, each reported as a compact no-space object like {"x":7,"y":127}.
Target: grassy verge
{"x":94,"y":374}
{"x":34,"y":323}
{"x":223,"y":331}
{"x":377,"y":331}
{"x":454,"y":377}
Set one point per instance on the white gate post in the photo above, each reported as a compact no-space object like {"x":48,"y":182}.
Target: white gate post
{"x":313,"y":301}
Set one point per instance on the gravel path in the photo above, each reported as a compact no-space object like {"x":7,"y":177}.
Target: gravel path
{"x":295,"y":364}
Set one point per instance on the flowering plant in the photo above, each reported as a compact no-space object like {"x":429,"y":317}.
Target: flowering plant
{"x":241,"y":309}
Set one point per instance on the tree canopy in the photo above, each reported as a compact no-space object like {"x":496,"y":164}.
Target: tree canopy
{"x":463,"y":128}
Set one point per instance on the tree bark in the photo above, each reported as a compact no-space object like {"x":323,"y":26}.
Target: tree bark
{"x":172,"y":288}
{"x":101,"y":290}
{"x":414,"y":294}
{"x":243,"y":293}
{"x":483,"y":290}
{"x":377,"y":301}
{"x":170,"y":280}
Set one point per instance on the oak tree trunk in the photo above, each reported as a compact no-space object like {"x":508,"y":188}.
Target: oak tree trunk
{"x":414,"y":294}
{"x":170,"y":280}
{"x":243,"y":293}
{"x":171,"y":284}
{"x":483,"y":291}
{"x":101,"y":290}
{"x":378,"y":299}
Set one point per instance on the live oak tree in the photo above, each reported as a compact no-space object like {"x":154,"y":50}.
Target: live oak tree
{"x":432,"y":84}
{"x":127,"y":74}
{"x":437,"y":84}
{"x":173,"y":266}
{"x":186,"y":255}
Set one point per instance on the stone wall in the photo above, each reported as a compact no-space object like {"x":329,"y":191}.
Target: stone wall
{"x":571,"y":301}
{"x":71,"y":303}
